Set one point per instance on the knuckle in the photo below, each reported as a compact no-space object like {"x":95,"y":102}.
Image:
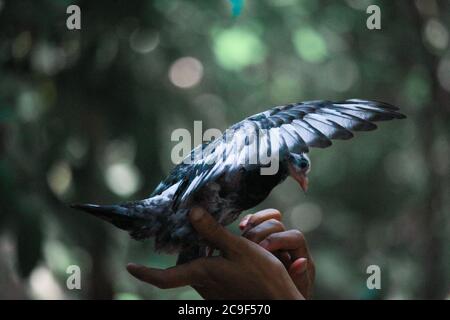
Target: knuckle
{"x":276,"y":224}
{"x":252,"y":221}
{"x":275,"y":213}
{"x":298,"y":235}
{"x":251,"y":234}
{"x":271,"y":238}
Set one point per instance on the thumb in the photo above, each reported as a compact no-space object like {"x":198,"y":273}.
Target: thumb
{"x":211,"y":230}
{"x":299,"y":275}
{"x":178,"y":276}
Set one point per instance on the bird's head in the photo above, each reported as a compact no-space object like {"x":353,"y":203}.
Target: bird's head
{"x":299,"y":166}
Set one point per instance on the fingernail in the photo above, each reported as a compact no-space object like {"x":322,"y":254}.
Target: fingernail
{"x":303,"y":265}
{"x":196,"y":213}
{"x":243,"y":224}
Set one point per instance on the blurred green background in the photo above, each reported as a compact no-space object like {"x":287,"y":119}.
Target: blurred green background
{"x":86,"y":116}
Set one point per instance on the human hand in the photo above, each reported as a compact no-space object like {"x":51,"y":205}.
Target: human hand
{"x":266,"y":229}
{"x":244,"y":270}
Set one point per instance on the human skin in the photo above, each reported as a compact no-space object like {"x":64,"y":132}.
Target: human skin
{"x":244,"y":270}
{"x":289,"y":246}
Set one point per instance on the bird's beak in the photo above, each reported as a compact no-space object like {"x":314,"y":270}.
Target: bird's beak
{"x":301,"y":178}
{"x":303,"y":182}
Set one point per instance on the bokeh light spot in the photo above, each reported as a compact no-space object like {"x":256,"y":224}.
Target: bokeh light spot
{"x":48,"y":59}
{"x":310,"y":45}
{"x":144,"y":41}
{"x":237,"y":48}
{"x":306,"y":216}
{"x":436,"y":34}
{"x":186,"y":72}
{"x":43,"y":285}
{"x":30,"y":106}
{"x":59,"y":178}
{"x":123,"y":178}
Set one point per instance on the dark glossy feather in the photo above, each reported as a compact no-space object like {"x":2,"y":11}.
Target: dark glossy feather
{"x":299,"y":126}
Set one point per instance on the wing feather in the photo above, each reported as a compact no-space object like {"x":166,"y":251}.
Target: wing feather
{"x":279,"y":130}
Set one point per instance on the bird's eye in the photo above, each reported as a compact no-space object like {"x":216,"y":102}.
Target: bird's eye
{"x":303,"y":164}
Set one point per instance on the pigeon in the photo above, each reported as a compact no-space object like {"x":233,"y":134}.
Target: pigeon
{"x":238,"y":170}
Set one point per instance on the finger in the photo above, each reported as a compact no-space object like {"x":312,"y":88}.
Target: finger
{"x":212,"y":231}
{"x":291,"y":240}
{"x":299,"y":275}
{"x":284,"y":257}
{"x":179,"y":276}
{"x":261,"y":216}
{"x":244,"y":221}
{"x":263,"y":230}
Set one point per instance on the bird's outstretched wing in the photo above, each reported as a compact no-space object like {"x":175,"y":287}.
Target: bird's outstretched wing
{"x":289,"y":128}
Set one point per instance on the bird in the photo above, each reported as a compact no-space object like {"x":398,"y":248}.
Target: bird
{"x":238,"y":170}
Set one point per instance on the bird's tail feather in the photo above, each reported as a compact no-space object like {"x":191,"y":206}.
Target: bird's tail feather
{"x":118,"y":215}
